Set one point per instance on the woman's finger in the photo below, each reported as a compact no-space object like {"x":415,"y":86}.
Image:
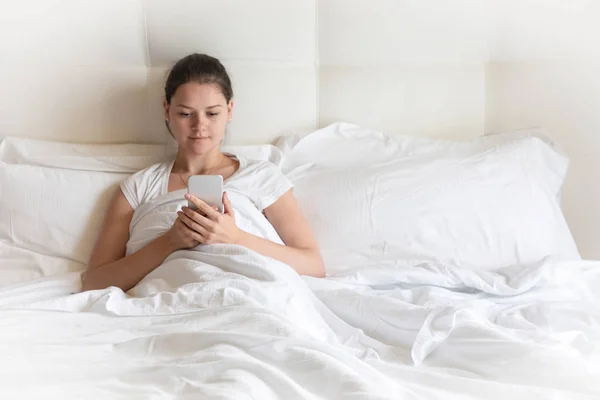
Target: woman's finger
{"x":227,"y":204}
{"x":198,"y":218}
{"x":194,"y":200}
{"x":190,"y":223}
{"x":192,"y":234}
{"x":210,"y":212}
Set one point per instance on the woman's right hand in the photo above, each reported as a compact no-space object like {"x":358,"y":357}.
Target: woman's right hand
{"x":181,"y":237}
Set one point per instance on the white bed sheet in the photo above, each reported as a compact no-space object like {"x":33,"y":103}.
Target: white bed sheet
{"x":384,"y":331}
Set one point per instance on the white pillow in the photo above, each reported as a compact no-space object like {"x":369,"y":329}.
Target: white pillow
{"x":19,"y":265}
{"x":486,"y":203}
{"x":51,"y":212}
{"x":125,"y":158}
{"x":54,"y":202}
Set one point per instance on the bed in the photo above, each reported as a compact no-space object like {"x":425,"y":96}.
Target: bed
{"x":451,"y":269}
{"x":451,"y":274}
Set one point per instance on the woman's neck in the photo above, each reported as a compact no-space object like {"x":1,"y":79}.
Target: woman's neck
{"x":199,"y":165}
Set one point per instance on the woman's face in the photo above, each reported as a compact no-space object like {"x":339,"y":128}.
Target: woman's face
{"x":197,"y":116}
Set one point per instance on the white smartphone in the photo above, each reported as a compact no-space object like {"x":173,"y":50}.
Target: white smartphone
{"x":208,"y":188}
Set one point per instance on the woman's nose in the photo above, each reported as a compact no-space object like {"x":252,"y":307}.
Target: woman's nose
{"x":197,"y":123}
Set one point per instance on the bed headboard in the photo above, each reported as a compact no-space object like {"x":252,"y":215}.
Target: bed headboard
{"x":92,"y":71}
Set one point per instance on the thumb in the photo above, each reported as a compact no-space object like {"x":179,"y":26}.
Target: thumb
{"x":227,"y":204}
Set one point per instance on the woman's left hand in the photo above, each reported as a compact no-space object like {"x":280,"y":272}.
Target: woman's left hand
{"x":212,"y":226}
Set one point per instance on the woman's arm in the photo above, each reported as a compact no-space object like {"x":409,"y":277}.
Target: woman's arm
{"x":108,"y":265}
{"x":300,"y":251}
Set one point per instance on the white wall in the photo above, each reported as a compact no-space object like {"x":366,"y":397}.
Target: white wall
{"x":73,"y":70}
{"x":544,"y":70}
{"x":403,"y":66}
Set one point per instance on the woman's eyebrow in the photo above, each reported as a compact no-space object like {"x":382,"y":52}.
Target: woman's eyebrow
{"x":191,"y":108}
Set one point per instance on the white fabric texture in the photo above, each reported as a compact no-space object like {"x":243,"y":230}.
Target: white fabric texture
{"x":121,"y":158}
{"x":486,"y":203}
{"x":50,"y":213}
{"x":227,"y":323}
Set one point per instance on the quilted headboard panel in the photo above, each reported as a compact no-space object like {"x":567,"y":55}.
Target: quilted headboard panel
{"x":403,"y":66}
{"x":93,"y":71}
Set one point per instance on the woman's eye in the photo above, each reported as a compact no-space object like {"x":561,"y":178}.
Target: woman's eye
{"x":213,"y":114}
{"x":184,"y":114}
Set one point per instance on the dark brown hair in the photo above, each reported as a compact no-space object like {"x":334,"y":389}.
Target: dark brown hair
{"x":199,"y":68}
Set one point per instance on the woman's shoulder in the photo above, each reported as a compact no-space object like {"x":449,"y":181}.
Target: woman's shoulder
{"x":257,"y":165}
{"x":262,"y":181}
{"x":144,"y":184}
{"x":254,"y":171}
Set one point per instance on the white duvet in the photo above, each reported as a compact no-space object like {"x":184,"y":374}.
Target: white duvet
{"x":248,"y":327}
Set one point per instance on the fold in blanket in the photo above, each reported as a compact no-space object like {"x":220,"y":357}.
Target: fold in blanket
{"x":225,"y":322}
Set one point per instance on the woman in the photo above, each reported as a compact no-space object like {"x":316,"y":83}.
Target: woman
{"x":198,"y":105}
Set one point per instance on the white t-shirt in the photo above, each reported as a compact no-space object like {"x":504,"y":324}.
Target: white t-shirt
{"x":252,"y":188}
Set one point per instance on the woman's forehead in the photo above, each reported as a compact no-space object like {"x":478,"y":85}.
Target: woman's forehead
{"x":199,"y":94}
